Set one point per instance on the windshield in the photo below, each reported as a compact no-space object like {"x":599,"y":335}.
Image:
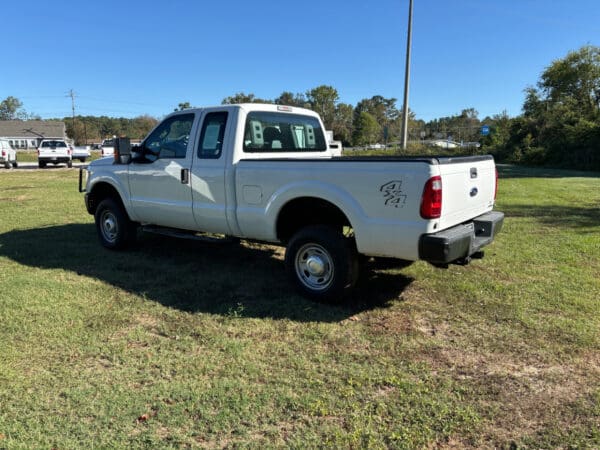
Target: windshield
{"x":279,"y":132}
{"x":108,"y":143}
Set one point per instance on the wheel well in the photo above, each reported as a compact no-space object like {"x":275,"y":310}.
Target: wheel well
{"x":305,"y":211}
{"x":100,"y":192}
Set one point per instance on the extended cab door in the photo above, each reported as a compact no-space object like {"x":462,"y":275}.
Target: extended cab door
{"x":209,"y":172}
{"x":159,"y":180}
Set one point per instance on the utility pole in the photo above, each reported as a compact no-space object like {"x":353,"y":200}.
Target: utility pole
{"x":72,"y":95}
{"x":407,"y":78}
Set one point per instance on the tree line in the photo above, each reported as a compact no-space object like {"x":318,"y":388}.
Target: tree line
{"x":559,"y":126}
{"x":373,"y":120}
{"x":91,"y":129}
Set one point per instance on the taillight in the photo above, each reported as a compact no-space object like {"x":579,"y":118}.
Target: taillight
{"x":431,"y":202}
{"x":496,"y":186}
{"x":3,"y":153}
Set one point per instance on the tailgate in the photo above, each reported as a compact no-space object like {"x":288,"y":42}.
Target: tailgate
{"x":468,"y":188}
{"x":53,"y":152}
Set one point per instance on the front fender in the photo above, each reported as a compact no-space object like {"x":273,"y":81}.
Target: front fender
{"x":103,"y":182}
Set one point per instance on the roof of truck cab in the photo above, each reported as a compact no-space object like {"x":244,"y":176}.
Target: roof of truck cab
{"x":249,"y":107}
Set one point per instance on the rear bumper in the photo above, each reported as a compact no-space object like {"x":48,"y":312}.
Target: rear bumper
{"x":54,"y":159}
{"x":458,"y":243}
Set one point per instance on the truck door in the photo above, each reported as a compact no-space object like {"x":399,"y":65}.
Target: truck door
{"x":209,"y":174}
{"x":159,"y":181}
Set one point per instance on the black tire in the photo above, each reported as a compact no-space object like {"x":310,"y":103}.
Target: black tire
{"x":69,"y":164}
{"x":7,"y":165}
{"x":81,"y":159}
{"x":15,"y":164}
{"x":322,"y":263}
{"x":115,"y":230}
{"x":41,"y":164}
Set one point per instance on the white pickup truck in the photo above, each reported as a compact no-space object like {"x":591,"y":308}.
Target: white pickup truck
{"x":107,"y":148}
{"x":54,"y":151}
{"x":266,"y":173}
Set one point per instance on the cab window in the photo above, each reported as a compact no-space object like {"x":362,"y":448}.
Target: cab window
{"x":170,"y":139}
{"x":279,"y":132}
{"x":212,"y":134}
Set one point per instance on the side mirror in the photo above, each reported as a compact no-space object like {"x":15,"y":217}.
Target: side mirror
{"x":122,"y":150}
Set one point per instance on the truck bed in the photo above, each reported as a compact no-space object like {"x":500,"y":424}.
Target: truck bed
{"x":380,"y":195}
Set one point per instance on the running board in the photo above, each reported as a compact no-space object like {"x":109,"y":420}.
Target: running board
{"x":190,"y":235}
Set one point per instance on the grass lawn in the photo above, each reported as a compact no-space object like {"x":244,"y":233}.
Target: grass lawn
{"x":31,"y":156}
{"x":177,"y":344}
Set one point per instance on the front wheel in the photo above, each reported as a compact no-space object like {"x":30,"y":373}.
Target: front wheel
{"x":322,"y":263}
{"x":114,"y":228}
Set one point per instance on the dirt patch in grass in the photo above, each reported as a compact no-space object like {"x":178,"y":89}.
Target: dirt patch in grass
{"x":141,"y":320}
{"x":517,"y":397}
{"x":397,"y":323}
{"x":18,"y":198}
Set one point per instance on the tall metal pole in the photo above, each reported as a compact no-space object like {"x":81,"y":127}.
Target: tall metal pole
{"x":72,"y":95}
{"x":407,"y":78}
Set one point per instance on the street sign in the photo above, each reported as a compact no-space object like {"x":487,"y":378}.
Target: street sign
{"x":485,"y":130}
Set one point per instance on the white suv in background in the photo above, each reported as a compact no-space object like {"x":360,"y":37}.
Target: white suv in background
{"x":54,"y":151}
{"x":8,"y":155}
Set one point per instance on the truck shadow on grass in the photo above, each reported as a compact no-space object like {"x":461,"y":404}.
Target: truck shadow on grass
{"x":244,"y":280}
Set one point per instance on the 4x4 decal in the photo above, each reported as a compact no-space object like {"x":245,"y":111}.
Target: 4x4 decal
{"x":392,"y":193}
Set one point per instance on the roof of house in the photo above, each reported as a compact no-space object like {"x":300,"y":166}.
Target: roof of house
{"x":32,"y":128}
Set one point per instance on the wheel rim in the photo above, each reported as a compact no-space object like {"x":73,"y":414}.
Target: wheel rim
{"x":109,"y":226}
{"x":314,"y":267}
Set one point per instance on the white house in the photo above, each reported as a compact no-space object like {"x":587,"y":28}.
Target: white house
{"x":27,"y":134}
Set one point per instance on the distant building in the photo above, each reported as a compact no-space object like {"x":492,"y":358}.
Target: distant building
{"x":27,"y":134}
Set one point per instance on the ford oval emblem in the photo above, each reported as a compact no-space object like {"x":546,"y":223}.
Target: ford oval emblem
{"x":473,"y":192}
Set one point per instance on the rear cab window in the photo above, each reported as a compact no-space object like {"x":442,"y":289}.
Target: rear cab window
{"x":53,"y":144}
{"x":212,"y":135}
{"x":272,"y":132}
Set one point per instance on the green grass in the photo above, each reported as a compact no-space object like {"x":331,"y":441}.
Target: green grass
{"x":179,"y":344}
{"x":31,"y":156}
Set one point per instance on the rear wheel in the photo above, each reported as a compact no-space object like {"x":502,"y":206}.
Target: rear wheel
{"x":114,"y":228}
{"x":7,"y":165}
{"x":70,"y":164}
{"x":41,"y":164}
{"x":322,"y":263}
{"x":15,"y":164}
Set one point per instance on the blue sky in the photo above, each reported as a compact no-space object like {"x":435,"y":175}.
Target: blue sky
{"x":128,"y":58}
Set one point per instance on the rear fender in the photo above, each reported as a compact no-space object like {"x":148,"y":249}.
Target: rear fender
{"x":319,"y":190}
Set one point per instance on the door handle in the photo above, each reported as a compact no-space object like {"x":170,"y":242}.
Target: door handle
{"x":185,"y":176}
